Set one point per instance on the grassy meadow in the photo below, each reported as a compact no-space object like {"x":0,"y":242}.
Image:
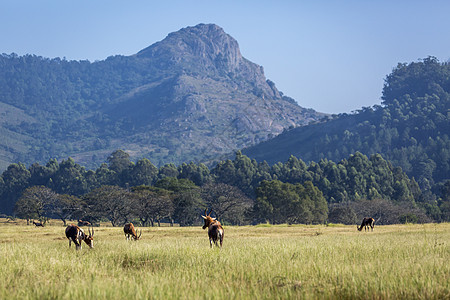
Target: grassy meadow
{"x":256,"y":262}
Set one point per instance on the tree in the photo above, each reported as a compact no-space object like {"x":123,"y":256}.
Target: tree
{"x":320,"y":206}
{"x":342,"y":213}
{"x":15,"y":181}
{"x":110,"y":202}
{"x":26,"y":208}
{"x":105,"y":176}
{"x":241,"y":172}
{"x":283,"y":203}
{"x":35,"y":202}
{"x":119,"y":161}
{"x":40,"y":175}
{"x":69,"y":179}
{"x":152,"y":204}
{"x":143,"y":173}
{"x":225,"y":172}
{"x":198,"y":174}
{"x":226,"y":201}
{"x":187,"y":201}
{"x":168,"y":170}
{"x":65,"y":207}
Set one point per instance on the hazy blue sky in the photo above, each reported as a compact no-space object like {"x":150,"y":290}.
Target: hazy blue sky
{"x":331,"y":56}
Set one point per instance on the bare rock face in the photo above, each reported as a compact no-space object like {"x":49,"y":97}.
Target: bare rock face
{"x":208,"y":50}
{"x":208,"y":44}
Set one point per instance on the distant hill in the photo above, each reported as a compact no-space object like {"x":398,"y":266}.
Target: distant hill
{"x":191,"y":96}
{"x":411,"y":128}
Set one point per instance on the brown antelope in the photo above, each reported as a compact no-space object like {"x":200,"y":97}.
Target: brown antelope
{"x":129,"y":230}
{"x":38,"y":224}
{"x":84,"y":223}
{"x":367,"y":223}
{"x":76,"y":234}
{"x":215,"y":230}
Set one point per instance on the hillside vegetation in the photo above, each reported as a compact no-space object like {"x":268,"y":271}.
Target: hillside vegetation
{"x":411,"y":128}
{"x":191,"y":96}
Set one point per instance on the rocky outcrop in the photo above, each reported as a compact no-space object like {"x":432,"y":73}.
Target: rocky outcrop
{"x":208,"y":51}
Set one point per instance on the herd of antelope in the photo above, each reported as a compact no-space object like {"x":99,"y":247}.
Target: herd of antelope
{"x":76,"y":234}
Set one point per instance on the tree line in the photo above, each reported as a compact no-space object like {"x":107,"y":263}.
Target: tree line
{"x":240,"y":191}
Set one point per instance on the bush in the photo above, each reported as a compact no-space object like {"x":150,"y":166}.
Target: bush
{"x":408,"y":218}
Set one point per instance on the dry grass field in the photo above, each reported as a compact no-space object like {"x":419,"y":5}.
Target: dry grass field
{"x":256,"y":262}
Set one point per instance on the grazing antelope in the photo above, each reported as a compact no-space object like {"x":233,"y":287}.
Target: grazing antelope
{"x":129,"y":230}
{"x":84,"y":223}
{"x":76,"y":234}
{"x":215,"y":230}
{"x":367,"y":222}
{"x":38,"y":224}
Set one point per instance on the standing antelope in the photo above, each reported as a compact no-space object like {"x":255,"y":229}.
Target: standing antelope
{"x":367,"y":222}
{"x":38,"y":224}
{"x":76,"y":234}
{"x":215,"y":230}
{"x":129,"y":230}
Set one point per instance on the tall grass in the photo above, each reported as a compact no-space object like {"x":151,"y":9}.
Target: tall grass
{"x":274,"y":262}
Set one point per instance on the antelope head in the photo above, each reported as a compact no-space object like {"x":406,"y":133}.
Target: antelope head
{"x":137,"y":237}
{"x":208,"y":219}
{"x":89,"y":239}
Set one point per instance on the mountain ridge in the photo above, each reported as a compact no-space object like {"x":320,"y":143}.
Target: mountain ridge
{"x":191,"y":96}
{"x":410,"y":128}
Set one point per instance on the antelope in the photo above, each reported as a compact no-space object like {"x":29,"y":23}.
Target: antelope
{"x":367,"y":222}
{"x":37,"y":224}
{"x":76,"y":234}
{"x":84,"y":223}
{"x":129,"y":230}
{"x":215,"y":230}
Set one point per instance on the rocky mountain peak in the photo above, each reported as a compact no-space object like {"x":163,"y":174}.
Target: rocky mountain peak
{"x":207,"y":44}
{"x":207,"y":50}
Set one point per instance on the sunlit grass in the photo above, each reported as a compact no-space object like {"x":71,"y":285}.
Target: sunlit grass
{"x":264,"y":262}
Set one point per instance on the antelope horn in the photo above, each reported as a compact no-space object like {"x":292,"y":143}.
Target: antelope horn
{"x":210,"y":212}
{"x":205,"y":211}
{"x":140,"y":233}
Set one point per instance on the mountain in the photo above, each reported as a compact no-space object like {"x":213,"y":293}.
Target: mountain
{"x":191,"y":96}
{"x":411,"y":128}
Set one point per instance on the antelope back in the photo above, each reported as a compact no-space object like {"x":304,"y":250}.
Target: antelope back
{"x":72,"y":231}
